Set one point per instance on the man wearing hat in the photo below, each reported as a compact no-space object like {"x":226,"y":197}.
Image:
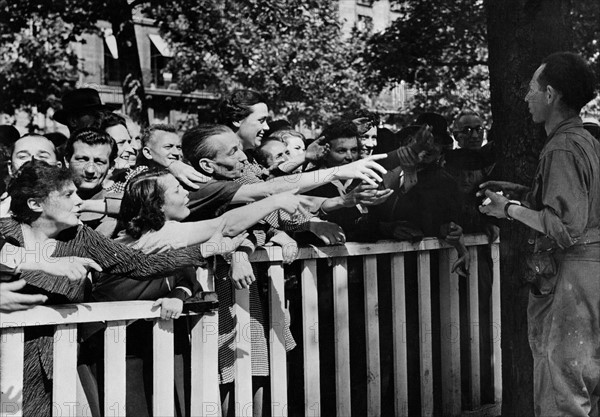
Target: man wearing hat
{"x":81,"y":108}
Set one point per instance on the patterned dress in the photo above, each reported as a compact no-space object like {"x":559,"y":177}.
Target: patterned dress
{"x":215,"y":198}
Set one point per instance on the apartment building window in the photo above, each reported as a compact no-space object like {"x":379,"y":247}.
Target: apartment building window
{"x":112,"y":72}
{"x":364,"y":23}
{"x":160,"y":55}
{"x":397,"y":7}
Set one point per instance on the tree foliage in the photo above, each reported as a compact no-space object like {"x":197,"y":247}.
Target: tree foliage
{"x":35,"y":64}
{"x":441,"y":49}
{"x":291,"y":50}
{"x":438,"y":48}
{"x":37,"y":61}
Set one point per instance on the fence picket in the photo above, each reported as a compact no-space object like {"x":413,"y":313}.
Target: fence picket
{"x":450,"y":334}
{"x":114,"y":368}
{"x":163,"y":398}
{"x":496,"y":325}
{"x":243,"y":352}
{"x":342,"y":336}
{"x":64,"y":384}
{"x":372,"y":335}
{"x":474,"y":323}
{"x":310,"y":334}
{"x":205,"y":398}
{"x":399,"y":334}
{"x":425,"y":333}
{"x":278,"y":360}
{"x":11,"y":371}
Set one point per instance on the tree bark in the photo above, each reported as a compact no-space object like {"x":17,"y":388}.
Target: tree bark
{"x":132,"y":82}
{"x":520,"y":34}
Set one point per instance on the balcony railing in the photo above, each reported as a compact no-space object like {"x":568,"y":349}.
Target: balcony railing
{"x":204,"y":341}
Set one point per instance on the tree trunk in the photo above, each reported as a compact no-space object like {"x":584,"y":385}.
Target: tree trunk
{"x":520,"y":34}
{"x":134,"y":96}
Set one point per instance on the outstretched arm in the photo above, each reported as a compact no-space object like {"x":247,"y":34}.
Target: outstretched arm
{"x":242,"y":218}
{"x":366,"y":169}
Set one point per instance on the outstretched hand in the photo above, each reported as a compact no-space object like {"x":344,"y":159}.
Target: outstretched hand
{"x":187,"y":175}
{"x":367,"y":195}
{"x":511,"y":190}
{"x":292,"y":202}
{"x":329,"y":233}
{"x":72,"y":267}
{"x":218,"y":244}
{"x":365,"y":169}
{"x":317,"y":150}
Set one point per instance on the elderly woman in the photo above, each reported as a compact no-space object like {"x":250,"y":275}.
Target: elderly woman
{"x":46,"y":211}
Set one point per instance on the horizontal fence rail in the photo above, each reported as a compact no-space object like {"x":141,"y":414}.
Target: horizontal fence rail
{"x":437,"y":321}
{"x":67,"y":397}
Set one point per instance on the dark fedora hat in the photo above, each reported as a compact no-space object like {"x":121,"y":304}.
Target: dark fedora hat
{"x":78,"y":101}
{"x":439,"y":125}
{"x":405,"y":135}
{"x":8,"y":135}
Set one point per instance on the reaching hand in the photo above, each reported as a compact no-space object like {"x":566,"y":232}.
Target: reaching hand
{"x":367,"y":195}
{"x":170,"y":308}
{"x":72,"y":267}
{"x":329,"y":233}
{"x":422,"y":141}
{"x":218,"y":244}
{"x":291,"y":202}
{"x":317,"y":150}
{"x":187,"y":174}
{"x":11,"y":300}
{"x":240,"y":271}
{"x":511,"y":190}
{"x":365,"y":169}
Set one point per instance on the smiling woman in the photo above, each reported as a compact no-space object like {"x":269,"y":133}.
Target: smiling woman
{"x":246,"y":112}
{"x":116,"y":126}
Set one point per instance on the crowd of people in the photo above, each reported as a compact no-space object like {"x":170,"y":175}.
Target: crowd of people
{"x":103,"y":216}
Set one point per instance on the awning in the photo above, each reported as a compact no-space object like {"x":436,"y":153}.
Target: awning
{"x":111,"y":43}
{"x":161,"y":45}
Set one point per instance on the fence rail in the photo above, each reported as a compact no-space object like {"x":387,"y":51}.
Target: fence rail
{"x":204,"y":344}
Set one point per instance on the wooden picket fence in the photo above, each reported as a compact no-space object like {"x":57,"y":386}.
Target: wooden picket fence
{"x":204,"y":341}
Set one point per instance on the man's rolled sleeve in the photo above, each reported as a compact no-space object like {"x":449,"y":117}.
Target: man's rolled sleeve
{"x":564,"y":212}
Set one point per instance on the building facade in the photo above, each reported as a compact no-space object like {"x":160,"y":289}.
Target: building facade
{"x":370,"y":15}
{"x":166,"y":103}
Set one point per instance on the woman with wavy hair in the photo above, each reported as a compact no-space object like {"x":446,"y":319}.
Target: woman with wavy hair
{"x":153,"y":206}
